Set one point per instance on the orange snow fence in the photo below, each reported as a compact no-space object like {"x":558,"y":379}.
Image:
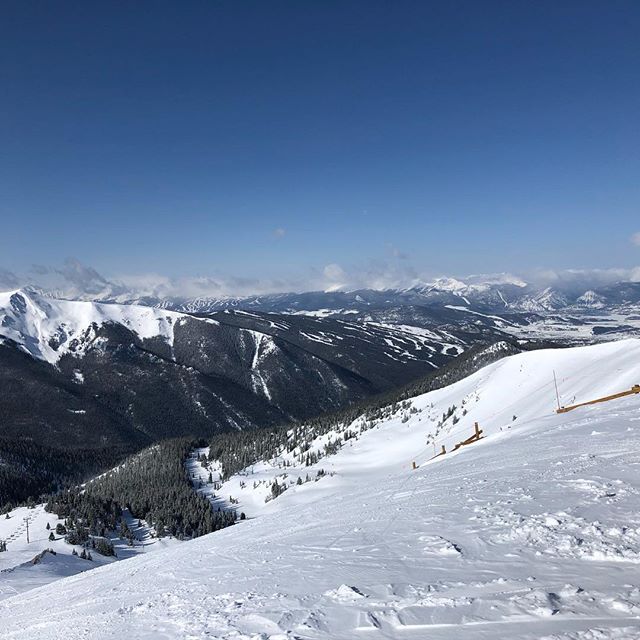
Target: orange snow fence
{"x":477,"y":434}
{"x":474,"y":438}
{"x":634,"y":390}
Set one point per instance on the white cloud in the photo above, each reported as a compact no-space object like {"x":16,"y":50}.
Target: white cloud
{"x":397,"y":252}
{"x":335,"y":276}
{"x":8,"y":280}
{"x":380,"y":274}
{"x":334,"y":272}
{"x":635,"y":238}
{"x":75,"y":280}
{"x":279,"y":232}
{"x":582,"y":278}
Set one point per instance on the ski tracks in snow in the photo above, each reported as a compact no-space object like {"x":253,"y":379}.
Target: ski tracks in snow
{"x":530,"y":535}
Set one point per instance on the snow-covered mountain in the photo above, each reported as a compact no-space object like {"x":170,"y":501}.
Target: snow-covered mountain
{"x":531,"y":532}
{"x":102,"y":380}
{"x":506,"y":295}
{"x":591,"y":300}
{"x":500,"y":304}
{"x":546,"y":300}
{"x":48,"y":329}
{"x":108,"y":379}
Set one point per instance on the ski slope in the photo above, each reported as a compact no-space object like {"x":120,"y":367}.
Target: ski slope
{"x":533,"y":532}
{"x":19,"y":569}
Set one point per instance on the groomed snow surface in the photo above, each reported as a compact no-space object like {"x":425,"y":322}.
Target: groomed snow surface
{"x":533,"y":532}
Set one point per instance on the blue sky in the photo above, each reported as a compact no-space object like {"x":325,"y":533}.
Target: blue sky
{"x":272,"y":138}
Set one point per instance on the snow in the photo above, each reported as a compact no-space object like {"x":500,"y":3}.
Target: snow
{"x":546,"y":300}
{"x":323,"y":338}
{"x":579,"y":327}
{"x":17,"y":571}
{"x":401,"y":335}
{"x":532,"y":532}
{"x":263,"y":346}
{"x":46,"y":328}
{"x":499,"y":321}
{"x":468,"y":284}
{"x":448,"y":284}
{"x":325,"y":313}
{"x":591,"y":299}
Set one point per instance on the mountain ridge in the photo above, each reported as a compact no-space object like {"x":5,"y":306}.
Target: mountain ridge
{"x":492,"y":291}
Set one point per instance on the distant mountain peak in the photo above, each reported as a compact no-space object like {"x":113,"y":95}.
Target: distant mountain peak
{"x":591,"y":299}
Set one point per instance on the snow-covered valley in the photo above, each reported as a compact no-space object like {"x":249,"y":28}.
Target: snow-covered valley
{"x":532,"y":532}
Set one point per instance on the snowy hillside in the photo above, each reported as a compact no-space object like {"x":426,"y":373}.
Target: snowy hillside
{"x":503,"y":397}
{"x":43,"y":559}
{"x":47,"y":328}
{"x":532,"y":532}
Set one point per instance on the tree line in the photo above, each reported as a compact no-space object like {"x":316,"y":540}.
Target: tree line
{"x":152,"y":485}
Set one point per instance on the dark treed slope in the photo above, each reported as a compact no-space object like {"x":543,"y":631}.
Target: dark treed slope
{"x":356,"y":345}
{"x":152,"y":485}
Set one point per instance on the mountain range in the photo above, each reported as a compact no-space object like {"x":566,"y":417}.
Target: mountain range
{"x":491,"y":297}
{"x":105,"y":378}
{"x":553,"y":291}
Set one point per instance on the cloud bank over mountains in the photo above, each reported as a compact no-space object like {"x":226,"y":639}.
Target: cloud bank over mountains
{"x":73,"y":279}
